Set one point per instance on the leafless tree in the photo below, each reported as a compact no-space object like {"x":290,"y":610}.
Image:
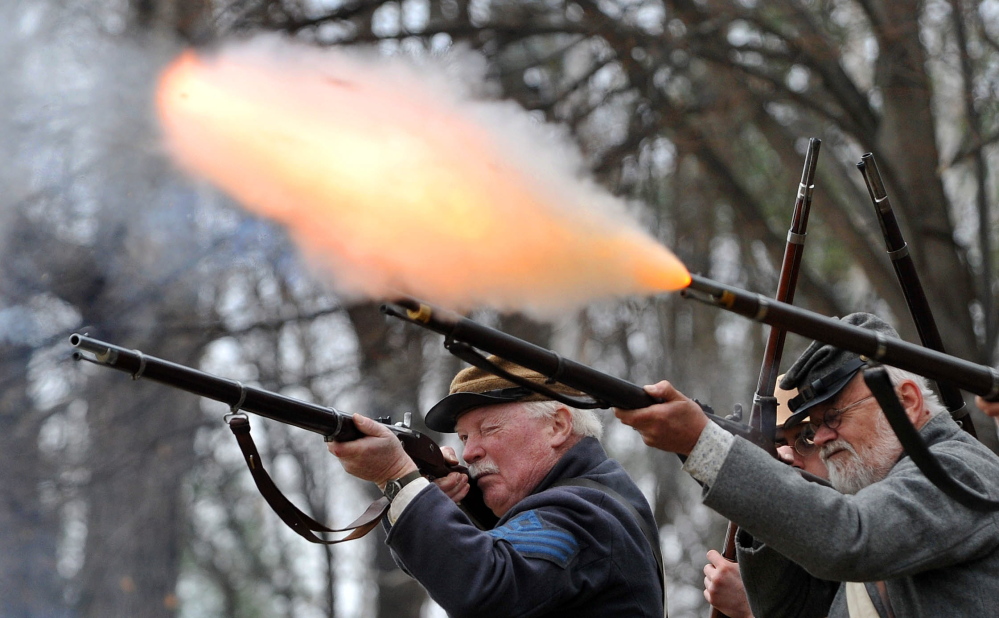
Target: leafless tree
{"x":698,"y":110}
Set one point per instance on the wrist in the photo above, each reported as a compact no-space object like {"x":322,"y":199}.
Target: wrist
{"x":696,"y":429}
{"x":397,"y":472}
{"x":392,"y":487}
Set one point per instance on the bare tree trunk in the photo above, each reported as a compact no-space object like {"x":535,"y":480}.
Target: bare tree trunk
{"x":391,"y":363}
{"x":29,"y":580}
{"x":142,"y":448}
{"x":188,"y":19}
{"x":906,"y":138}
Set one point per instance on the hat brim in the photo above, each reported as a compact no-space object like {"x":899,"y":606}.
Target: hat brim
{"x":831,"y":391}
{"x":443,"y":416}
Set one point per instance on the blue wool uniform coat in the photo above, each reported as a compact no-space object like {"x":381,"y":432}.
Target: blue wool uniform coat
{"x":562,"y":551}
{"x":936,"y":557}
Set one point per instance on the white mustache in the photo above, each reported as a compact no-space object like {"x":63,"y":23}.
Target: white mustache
{"x":836,"y":445}
{"x":482,"y":468}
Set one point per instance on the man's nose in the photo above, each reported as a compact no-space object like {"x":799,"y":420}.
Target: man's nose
{"x":824,"y":434}
{"x":473,"y":451}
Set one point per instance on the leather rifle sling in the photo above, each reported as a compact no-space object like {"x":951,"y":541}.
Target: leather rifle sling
{"x":295,"y":519}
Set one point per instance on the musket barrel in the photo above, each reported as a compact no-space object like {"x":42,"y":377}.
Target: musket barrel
{"x":312,"y":417}
{"x":908,"y":279}
{"x":978,"y":379}
{"x":763,"y":416}
{"x":615,"y":391}
{"x":790,"y":267}
{"x":898,"y":252}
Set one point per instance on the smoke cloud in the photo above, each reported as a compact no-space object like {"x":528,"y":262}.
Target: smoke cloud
{"x":394,"y":179}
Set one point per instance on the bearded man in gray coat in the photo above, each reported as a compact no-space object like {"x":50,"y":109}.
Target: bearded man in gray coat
{"x":884,"y":522}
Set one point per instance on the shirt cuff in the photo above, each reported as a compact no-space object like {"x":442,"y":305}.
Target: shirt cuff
{"x":404,"y":497}
{"x":708,"y":455}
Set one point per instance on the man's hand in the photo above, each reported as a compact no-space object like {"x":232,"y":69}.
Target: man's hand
{"x":723,"y":587}
{"x":989,"y":407}
{"x":785,"y":453}
{"x":454,"y":485}
{"x":674,"y":425}
{"x":378,"y":458}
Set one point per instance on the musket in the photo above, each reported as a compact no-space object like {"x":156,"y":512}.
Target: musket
{"x":786,"y":285}
{"x":912,"y":288}
{"x":330,"y":423}
{"x":933,"y":364}
{"x":763,"y":416}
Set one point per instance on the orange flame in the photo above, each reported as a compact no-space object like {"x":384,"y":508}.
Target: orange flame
{"x":395,"y":187}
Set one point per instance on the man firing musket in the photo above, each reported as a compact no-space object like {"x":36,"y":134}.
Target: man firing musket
{"x":575,"y":535}
{"x":887,"y":521}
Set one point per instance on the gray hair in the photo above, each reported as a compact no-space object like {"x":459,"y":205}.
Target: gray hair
{"x":585,"y":423}
{"x":930,"y":398}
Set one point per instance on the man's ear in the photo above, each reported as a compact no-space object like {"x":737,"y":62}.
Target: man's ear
{"x":561,"y":426}
{"x":911,"y":397}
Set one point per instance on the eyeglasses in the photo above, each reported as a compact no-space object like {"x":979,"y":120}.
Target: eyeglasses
{"x":805,"y":445}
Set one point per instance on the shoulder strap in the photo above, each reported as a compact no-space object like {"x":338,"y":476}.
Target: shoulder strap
{"x":298,"y":521}
{"x":647,"y":531}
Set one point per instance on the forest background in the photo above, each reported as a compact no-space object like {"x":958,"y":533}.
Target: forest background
{"x":130,"y":499}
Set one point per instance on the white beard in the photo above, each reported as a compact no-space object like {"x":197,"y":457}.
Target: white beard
{"x":858,"y":468}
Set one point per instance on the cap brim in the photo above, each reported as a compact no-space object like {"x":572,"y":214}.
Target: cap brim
{"x":802,"y":413}
{"x":445,"y":412}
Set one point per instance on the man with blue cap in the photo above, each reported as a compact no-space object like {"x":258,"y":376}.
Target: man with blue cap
{"x":575,"y":536}
{"x":883,"y":522}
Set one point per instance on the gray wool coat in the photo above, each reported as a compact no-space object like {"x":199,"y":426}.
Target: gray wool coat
{"x":937,"y":557}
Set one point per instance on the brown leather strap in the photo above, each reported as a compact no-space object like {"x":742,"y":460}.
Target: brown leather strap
{"x":298,"y":521}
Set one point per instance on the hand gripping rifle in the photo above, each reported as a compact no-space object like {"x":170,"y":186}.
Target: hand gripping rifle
{"x":763,"y":416}
{"x":933,"y":364}
{"x":332,"y":424}
{"x":912,"y":289}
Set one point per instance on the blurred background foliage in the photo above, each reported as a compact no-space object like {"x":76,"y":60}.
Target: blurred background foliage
{"x":125,"y":499}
